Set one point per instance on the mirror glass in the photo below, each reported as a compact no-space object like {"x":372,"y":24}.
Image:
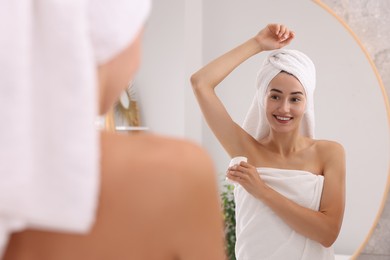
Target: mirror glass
{"x":350,"y":107}
{"x":349,"y":104}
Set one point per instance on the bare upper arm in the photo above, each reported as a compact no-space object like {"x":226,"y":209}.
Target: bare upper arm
{"x":231,"y":136}
{"x":333,"y":195}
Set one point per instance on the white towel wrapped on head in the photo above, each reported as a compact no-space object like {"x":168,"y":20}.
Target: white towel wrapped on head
{"x":296,"y":63}
{"x":49,"y":146}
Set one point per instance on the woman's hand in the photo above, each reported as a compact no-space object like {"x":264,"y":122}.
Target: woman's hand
{"x":274,"y":36}
{"x":247,"y":176}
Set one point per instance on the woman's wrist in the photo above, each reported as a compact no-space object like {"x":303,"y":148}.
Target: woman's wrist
{"x":263,"y":192}
{"x":254,"y":45}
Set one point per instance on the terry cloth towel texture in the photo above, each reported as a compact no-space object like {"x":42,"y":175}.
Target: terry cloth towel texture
{"x":49,"y":145}
{"x":261,"y":234}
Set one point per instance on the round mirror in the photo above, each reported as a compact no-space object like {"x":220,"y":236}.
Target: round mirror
{"x":349,"y":104}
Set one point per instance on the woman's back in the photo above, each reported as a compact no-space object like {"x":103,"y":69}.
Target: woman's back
{"x":158,"y":200}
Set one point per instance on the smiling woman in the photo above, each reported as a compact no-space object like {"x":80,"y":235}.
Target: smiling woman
{"x":302,"y":180}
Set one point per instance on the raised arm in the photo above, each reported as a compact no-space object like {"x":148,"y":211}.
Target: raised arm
{"x":232,"y":136}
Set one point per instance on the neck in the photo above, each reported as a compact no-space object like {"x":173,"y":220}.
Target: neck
{"x":285,"y":143}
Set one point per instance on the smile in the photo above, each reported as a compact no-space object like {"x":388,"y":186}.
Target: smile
{"x":283,"y":118}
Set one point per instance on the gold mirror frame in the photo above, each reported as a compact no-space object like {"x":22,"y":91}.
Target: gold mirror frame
{"x":386,"y":101}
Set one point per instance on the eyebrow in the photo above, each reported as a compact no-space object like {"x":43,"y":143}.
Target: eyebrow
{"x":292,"y":93}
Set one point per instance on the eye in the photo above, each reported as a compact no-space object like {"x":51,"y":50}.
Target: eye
{"x":274,"y":97}
{"x":295,"y":99}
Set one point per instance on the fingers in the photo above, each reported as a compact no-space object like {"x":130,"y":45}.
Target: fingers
{"x":233,"y":173}
{"x":234,"y":176}
{"x":281,"y":32}
{"x":239,"y":170}
{"x":289,"y":39}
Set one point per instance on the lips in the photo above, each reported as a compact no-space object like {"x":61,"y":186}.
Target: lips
{"x":283,"y":119}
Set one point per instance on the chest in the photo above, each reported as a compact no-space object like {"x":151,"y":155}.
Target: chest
{"x":307,"y":160}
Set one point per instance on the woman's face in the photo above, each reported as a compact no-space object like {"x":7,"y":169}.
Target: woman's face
{"x":285,"y":103}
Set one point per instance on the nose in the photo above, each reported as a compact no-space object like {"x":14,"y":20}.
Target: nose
{"x":284,"y":106}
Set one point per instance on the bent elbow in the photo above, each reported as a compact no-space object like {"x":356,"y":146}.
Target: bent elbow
{"x":201,"y":85}
{"x":201,"y":82}
{"x":327,"y":243}
{"x":195,"y":82}
{"x":329,"y":240}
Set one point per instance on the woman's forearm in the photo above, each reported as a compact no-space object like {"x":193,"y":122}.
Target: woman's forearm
{"x":213,"y":73}
{"x":273,"y":36}
{"x":316,"y":225}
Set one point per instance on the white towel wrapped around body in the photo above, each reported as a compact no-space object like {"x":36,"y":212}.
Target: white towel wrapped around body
{"x":261,"y":234}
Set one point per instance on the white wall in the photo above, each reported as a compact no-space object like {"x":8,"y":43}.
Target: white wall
{"x":171,"y":52}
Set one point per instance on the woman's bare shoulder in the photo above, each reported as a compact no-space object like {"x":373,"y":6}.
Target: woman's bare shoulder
{"x":151,"y":152}
{"x":330,"y":152}
{"x":328,"y":146}
{"x":151,"y":146}
{"x":157,"y":188}
{"x":174,"y":181}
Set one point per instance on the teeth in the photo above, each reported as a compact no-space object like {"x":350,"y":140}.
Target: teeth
{"x":282,"y":118}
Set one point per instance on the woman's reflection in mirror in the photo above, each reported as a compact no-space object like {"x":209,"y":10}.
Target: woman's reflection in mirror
{"x":290,"y":195}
